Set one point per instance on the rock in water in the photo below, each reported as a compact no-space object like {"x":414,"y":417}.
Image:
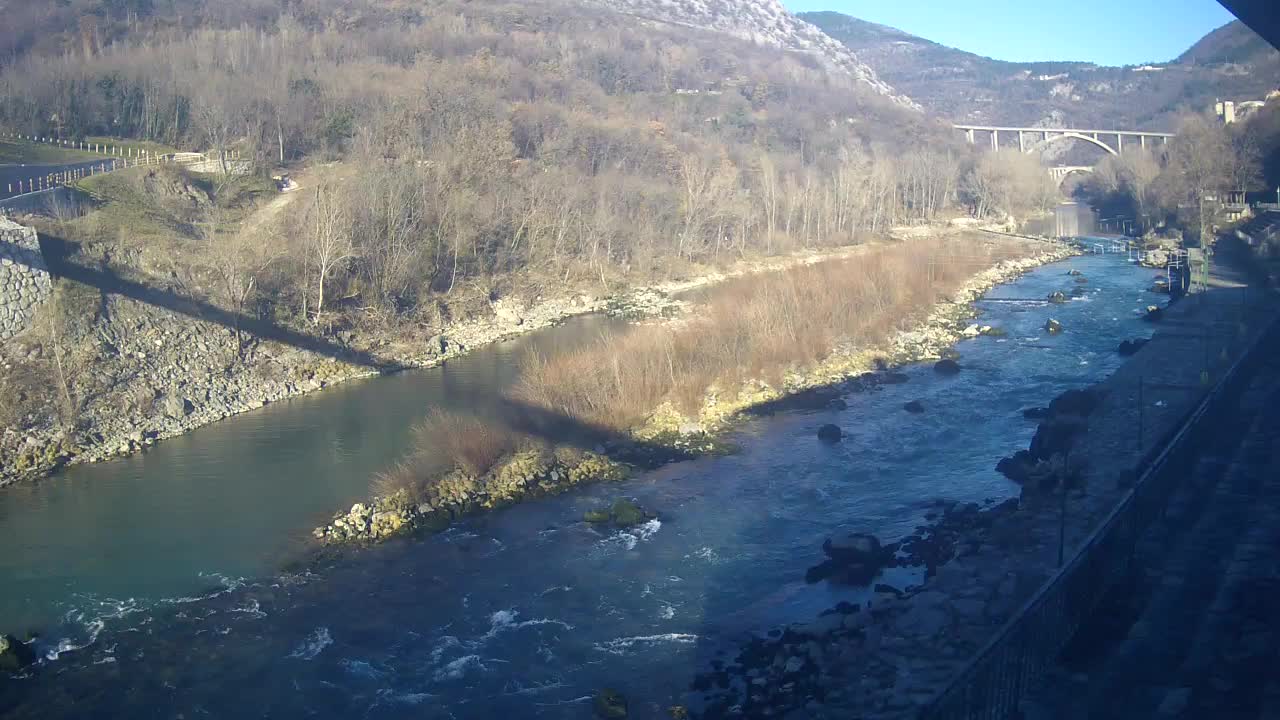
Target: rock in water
{"x":1074,"y":272}
{"x":626,"y":513}
{"x":830,"y":434}
{"x":610,"y":704}
{"x":1016,"y":467}
{"x":993,"y":331}
{"x":1154,"y":313}
{"x":946,"y":366}
{"x":915,"y":406}
{"x":599,"y":515}
{"x":14,"y":655}
{"x":1082,"y":280}
{"x":1057,"y":298}
{"x":1053,"y":327}
{"x":855,"y":559}
{"x":854,"y":547}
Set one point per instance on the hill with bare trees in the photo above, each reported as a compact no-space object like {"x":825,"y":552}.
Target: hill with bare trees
{"x":1230,"y":63}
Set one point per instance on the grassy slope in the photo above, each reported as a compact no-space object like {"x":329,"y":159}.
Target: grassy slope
{"x":34,"y":153}
{"x":40,"y":154}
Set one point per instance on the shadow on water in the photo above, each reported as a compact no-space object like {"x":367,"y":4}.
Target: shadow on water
{"x":183,"y":662}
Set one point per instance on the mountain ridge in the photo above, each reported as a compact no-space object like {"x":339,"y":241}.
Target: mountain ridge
{"x":1231,"y":62}
{"x":766,"y":22}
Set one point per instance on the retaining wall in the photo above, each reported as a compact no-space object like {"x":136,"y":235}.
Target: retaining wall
{"x":24,"y":278}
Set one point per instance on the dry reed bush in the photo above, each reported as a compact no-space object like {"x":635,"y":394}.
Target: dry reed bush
{"x":447,"y":440}
{"x":755,"y":328}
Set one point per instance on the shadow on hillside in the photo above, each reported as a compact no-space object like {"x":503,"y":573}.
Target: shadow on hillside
{"x":57,"y":254}
{"x":518,"y":416}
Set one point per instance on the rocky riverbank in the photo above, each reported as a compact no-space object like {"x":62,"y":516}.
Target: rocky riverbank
{"x":887,"y":657}
{"x":669,"y":434}
{"x":151,"y":373}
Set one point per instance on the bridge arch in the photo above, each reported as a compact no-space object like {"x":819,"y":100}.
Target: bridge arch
{"x":1060,"y":174}
{"x":1037,"y":147}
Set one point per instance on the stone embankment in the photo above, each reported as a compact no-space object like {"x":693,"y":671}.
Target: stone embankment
{"x":531,"y":475}
{"x":889,"y":656}
{"x":156,"y":374}
{"x":24,"y":278}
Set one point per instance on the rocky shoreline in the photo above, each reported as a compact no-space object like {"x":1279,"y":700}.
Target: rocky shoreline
{"x":889,"y":656}
{"x":532,"y":474}
{"x":176,"y":375}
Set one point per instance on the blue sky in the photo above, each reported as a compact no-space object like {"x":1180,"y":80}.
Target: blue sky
{"x":1107,"y":32}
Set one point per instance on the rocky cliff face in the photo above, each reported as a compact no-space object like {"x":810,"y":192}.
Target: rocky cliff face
{"x":765,"y":22}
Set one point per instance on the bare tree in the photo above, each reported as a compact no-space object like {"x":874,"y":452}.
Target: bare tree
{"x":328,"y":238}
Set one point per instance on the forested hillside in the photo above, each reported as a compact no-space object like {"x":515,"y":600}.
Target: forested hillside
{"x":558,"y":138}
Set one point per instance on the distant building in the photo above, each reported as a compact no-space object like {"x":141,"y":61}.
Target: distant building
{"x":1225,"y":110}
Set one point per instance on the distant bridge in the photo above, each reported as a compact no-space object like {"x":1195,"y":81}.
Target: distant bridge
{"x":1036,"y":139}
{"x":1061,"y":172}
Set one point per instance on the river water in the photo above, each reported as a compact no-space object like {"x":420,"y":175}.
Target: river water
{"x":525,"y":612}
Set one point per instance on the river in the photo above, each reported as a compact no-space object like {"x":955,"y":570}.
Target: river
{"x":525,"y":612}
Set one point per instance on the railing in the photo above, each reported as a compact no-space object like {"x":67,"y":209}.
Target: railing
{"x":991,"y":685}
{"x":120,"y":157}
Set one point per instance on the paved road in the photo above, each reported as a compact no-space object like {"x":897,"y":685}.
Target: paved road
{"x":1195,"y":632}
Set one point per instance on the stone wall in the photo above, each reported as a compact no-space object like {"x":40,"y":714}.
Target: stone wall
{"x":24,"y":278}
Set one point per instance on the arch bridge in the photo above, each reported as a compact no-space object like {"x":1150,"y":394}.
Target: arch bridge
{"x":1037,"y":139}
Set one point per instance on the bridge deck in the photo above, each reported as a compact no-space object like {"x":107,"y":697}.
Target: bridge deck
{"x":1001,"y":128}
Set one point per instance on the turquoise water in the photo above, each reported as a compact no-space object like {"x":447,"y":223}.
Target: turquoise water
{"x":527,"y":612}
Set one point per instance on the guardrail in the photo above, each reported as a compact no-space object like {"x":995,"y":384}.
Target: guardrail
{"x":119,"y":158}
{"x":991,"y":685}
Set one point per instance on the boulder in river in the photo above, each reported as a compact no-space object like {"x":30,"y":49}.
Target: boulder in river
{"x":1057,"y":297}
{"x":1053,"y":327}
{"x":609,"y":704}
{"x":1154,"y":313}
{"x":853,"y":558}
{"x":627,"y":513}
{"x":596,"y":515}
{"x":830,"y":434}
{"x":14,"y":654}
{"x":1055,"y":435}
{"x":946,"y":366}
{"x":1130,"y":347}
{"x":1074,"y":272}
{"x":914,"y":406}
{"x":1017,"y":467}
{"x":989,"y":331}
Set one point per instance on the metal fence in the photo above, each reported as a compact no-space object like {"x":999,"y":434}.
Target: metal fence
{"x":991,"y":685}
